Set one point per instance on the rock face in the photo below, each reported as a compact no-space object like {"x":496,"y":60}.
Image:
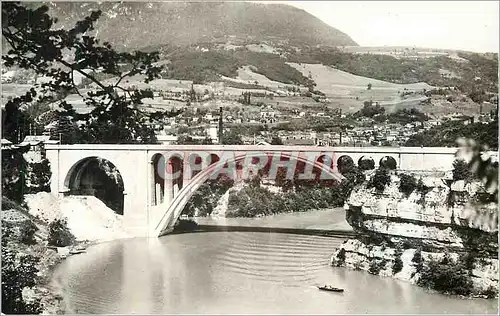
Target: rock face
{"x":409,"y":236}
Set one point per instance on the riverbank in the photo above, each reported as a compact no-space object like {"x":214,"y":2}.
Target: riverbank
{"x":209,"y":272}
{"x":38,"y":236}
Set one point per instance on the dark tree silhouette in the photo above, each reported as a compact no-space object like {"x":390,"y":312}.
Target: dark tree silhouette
{"x":34,"y":43}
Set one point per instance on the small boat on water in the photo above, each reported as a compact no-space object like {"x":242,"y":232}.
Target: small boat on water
{"x":330,"y":288}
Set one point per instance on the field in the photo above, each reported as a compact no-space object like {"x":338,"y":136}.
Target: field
{"x":348,"y":91}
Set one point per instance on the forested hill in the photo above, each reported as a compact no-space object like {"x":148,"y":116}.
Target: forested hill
{"x":143,"y":24}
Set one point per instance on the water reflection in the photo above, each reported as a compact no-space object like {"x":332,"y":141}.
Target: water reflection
{"x":237,"y":272}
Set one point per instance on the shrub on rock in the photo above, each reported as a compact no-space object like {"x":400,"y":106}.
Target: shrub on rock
{"x":59,"y":234}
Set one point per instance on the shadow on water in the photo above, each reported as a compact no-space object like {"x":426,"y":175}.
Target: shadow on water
{"x":296,"y":231}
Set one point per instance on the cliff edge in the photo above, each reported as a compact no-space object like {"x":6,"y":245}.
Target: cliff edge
{"x":425,"y":229}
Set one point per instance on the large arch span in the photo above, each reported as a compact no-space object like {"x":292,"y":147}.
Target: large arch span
{"x":320,"y":168}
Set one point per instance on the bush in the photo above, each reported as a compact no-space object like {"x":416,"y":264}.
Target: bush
{"x":388,"y":163}
{"x":446,"y":276}
{"x":491,"y":292}
{"x":398,"y":263}
{"x":185,"y":225}
{"x":380,"y":179}
{"x":59,"y":234}
{"x":417,"y":259}
{"x":376,"y":265}
{"x":341,"y":257}
{"x":461,"y":170}
{"x":407,"y":184}
{"x":366,"y":164}
{"x":39,"y":176}
{"x":18,"y":271}
{"x":28,"y":230}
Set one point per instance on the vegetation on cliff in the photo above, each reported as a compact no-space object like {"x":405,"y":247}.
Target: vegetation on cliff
{"x":446,"y":135}
{"x":290,"y":195}
{"x":439,"y":233}
{"x":27,"y":260}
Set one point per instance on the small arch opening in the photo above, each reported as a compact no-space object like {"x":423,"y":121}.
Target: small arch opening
{"x":366,"y":163}
{"x":158,"y":178}
{"x":388,"y":162}
{"x":344,"y":164}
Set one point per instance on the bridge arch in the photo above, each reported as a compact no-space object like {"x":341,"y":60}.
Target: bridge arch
{"x":98,"y":177}
{"x":344,"y":163}
{"x":174,"y":210}
{"x":366,"y":163}
{"x":388,"y":162}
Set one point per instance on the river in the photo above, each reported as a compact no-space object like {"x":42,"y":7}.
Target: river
{"x":238,"y":271}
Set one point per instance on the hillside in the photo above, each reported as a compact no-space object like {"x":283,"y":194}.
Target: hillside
{"x":140,"y":24}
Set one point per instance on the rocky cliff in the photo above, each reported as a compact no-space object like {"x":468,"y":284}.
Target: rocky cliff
{"x":441,"y":234}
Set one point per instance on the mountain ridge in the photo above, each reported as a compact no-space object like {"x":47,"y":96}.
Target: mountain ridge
{"x":135,"y":25}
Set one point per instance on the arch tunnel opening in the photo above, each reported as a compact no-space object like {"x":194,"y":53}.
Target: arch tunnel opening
{"x":100,"y":178}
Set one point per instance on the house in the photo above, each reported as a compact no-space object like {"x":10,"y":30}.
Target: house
{"x":6,"y":144}
{"x":263,"y":143}
{"x":37,"y":143}
{"x":268,"y":113}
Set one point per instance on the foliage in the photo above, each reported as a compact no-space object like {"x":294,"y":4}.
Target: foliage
{"x":398,"y":263}
{"x":341,"y":256}
{"x":206,"y":197}
{"x":491,"y":292}
{"x":18,"y":271}
{"x":256,"y":200}
{"x":245,"y":98}
{"x":446,"y":135}
{"x":66,"y":130}
{"x":388,"y":163}
{"x":379,"y":180}
{"x":231,"y":138}
{"x":406,"y":116}
{"x":188,"y":140}
{"x":208,"y":66}
{"x":366,"y":164}
{"x":14,"y":173}
{"x":59,"y":234}
{"x":185,"y":225}
{"x":376,"y":265}
{"x":115,"y":116}
{"x":370,"y":110}
{"x":461,"y":170}
{"x":16,"y":122}
{"x":485,"y":170}
{"x":407,"y":183}
{"x":276,"y":141}
{"x":446,"y":276}
{"x":39,"y":177}
{"x":22,"y":231}
{"x":417,"y":259}
{"x":406,"y":70}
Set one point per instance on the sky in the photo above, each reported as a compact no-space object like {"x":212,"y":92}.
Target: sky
{"x":462,"y":25}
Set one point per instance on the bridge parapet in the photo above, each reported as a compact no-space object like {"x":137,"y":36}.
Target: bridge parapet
{"x":148,"y":198}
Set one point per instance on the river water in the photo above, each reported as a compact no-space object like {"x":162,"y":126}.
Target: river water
{"x":243,"y":272}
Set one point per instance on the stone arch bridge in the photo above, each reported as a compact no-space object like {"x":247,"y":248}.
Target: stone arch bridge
{"x":153,"y":183}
